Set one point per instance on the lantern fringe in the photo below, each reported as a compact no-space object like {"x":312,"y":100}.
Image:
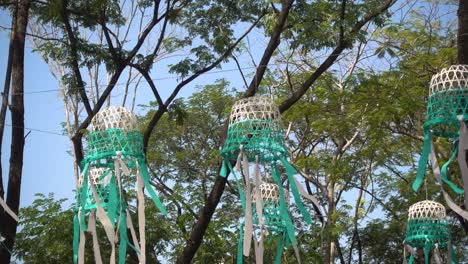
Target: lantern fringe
{"x":105,"y":196}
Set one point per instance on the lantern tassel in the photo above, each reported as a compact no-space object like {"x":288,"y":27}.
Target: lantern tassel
{"x":141,"y":217}
{"x":92,"y":230}
{"x":423,"y":160}
{"x":248,"y":207}
{"x":463,"y":146}
{"x":436,"y":171}
{"x":437,"y":256}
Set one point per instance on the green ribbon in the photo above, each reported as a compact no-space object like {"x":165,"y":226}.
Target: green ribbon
{"x":423,"y":160}
{"x":443,"y":173}
{"x":223,"y":172}
{"x":76,"y":237}
{"x":239,"y":187}
{"x":240,"y":245}
{"x":84,"y":196}
{"x":279,"y":249}
{"x":452,"y":254}
{"x":113,"y":202}
{"x":411,"y":259}
{"x":427,"y":250}
{"x":283,"y":208}
{"x":154,"y":196}
{"x":291,"y":171}
{"x":123,"y":237}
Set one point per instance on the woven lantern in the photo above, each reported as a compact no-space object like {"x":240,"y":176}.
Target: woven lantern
{"x":447,"y":100}
{"x":255,"y":138}
{"x":114,"y":155}
{"x":114,"y":129}
{"x":99,"y":177}
{"x":254,"y":123}
{"x":447,"y":111}
{"x":272,"y":218}
{"x":427,"y":229}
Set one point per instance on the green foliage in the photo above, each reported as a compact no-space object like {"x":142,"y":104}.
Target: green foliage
{"x":315,"y":25}
{"x":45,"y":234}
{"x":184,"y":154}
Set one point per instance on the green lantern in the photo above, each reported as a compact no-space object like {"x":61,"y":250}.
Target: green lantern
{"x":114,"y":159}
{"x":447,"y":112}
{"x":427,"y":230}
{"x":255,"y":138}
{"x":271,"y":220}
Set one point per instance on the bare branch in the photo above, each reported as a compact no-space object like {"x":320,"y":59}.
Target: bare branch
{"x":343,"y":43}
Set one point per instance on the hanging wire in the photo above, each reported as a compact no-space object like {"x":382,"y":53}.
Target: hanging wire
{"x":38,"y":130}
{"x":144,"y":81}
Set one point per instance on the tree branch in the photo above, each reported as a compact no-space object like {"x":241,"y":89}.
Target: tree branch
{"x":74,"y":60}
{"x":271,"y":47}
{"x":154,"y":120}
{"x":343,"y":43}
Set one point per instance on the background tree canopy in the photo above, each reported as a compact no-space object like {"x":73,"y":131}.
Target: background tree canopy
{"x":351,"y":80}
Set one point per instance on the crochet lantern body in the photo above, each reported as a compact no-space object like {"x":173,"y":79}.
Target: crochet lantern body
{"x":427,"y":230}
{"x":114,"y":160}
{"x":255,"y":138}
{"x":447,"y":112}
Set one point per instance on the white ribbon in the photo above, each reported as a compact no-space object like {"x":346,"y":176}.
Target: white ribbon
{"x":92,"y":230}
{"x":437,"y":257}
{"x":141,"y":216}
{"x":309,"y":197}
{"x":81,"y":245}
{"x":258,"y":193}
{"x":105,"y":221}
{"x":259,"y":249}
{"x":132,"y":232}
{"x":436,"y":170}
{"x":8,"y":210}
{"x":248,"y":207}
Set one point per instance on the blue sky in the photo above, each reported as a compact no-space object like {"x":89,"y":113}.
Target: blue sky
{"x":47,"y":166}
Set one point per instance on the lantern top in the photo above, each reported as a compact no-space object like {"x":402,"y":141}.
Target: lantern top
{"x":454,"y":77}
{"x":270,"y":192}
{"x":254,"y":125}
{"x":254,"y":108}
{"x":93,"y":175}
{"x":427,"y":209}
{"x":114,"y":117}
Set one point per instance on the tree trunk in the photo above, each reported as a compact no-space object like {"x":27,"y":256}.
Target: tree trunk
{"x":17,"y":140}
{"x":6,"y":91}
{"x":462,"y":40}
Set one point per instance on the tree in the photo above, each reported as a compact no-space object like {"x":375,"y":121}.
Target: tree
{"x":344,"y":40}
{"x":9,"y":225}
{"x":462,"y":41}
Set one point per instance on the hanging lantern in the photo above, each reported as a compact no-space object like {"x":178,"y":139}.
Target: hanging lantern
{"x":254,"y":124}
{"x":255,"y":137}
{"x":114,"y":155}
{"x":427,"y":230}
{"x":447,"y":100}
{"x":447,"y":111}
{"x":271,"y":220}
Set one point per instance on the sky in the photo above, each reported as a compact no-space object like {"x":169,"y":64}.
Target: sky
{"x":47,"y":166}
